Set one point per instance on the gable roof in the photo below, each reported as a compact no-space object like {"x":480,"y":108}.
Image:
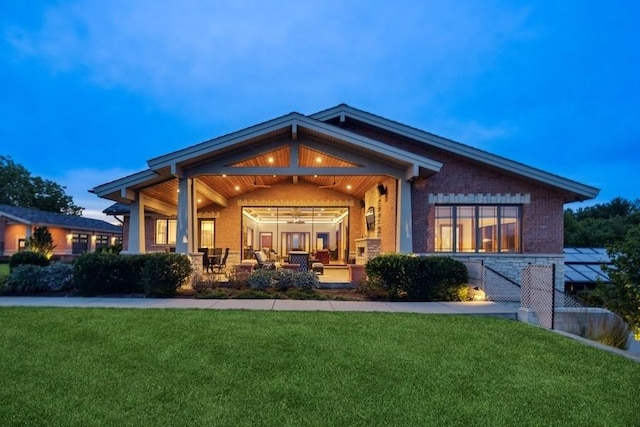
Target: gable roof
{"x":582,"y":191}
{"x":32,"y":216}
{"x":167,"y":166}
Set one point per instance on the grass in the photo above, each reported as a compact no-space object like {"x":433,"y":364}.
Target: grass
{"x":209,"y":367}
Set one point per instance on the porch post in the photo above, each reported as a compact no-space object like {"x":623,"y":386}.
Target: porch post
{"x":404,"y":234}
{"x":184,"y":241}
{"x":136,"y":226}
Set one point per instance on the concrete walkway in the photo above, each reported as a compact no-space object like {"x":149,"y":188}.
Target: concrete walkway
{"x":483,"y":308}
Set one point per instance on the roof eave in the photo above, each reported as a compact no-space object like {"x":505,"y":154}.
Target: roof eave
{"x":581,"y":191}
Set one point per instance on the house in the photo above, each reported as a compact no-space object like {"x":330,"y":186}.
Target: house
{"x":350,"y":183}
{"x":72,"y":235}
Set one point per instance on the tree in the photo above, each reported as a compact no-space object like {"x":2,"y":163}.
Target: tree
{"x":41,"y":242}
{"x":19,"y":188}
{"x":622,"y":295}
{"x":600,"y":225}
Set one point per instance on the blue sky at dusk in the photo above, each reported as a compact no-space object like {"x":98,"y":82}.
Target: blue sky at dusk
{"x":90,"y":90}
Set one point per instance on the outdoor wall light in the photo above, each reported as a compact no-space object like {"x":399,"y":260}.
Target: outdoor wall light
{"x":478,"y":294}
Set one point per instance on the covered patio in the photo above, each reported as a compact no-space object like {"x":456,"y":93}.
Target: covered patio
{"x":289,"y":184}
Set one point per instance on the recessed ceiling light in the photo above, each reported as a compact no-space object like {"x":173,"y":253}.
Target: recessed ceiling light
{"x":270,"y":159}
{"x":199,"y":200}
{"x":318,"y":159}
{"x":237,"y":187}
{"x":349,"y":187}
{"x":224,"y":175}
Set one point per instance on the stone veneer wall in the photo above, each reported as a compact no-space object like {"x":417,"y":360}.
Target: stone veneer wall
{"x":511,"y":265}
{"x":367,"y":249}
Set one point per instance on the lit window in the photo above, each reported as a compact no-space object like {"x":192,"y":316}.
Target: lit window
{"x":478,"y":229}
{"x":166,"y":230}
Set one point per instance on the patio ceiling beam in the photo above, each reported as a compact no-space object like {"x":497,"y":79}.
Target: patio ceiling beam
{"x":243,"y":154}
{"x":160,"y":206}
{"x":211,"y":194}
{"x":369,"y":170}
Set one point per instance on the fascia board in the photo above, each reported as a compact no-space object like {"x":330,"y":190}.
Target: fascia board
{"x":223,"y":141}
{"x":15,"y":218}
{"x":461,"y":149}
{"x":125,"y":182}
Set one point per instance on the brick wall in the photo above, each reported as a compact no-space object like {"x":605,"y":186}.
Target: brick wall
{"x":542,"y":218}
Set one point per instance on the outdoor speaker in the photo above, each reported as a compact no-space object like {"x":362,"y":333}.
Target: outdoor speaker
{"x":362,"y":204}
{"x":382,"y":190}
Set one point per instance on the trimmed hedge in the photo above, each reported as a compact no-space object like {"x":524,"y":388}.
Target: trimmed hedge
{"x":151,"y":274}
{"x":104,"y":273}
{"x":28,"y":258}
{"x":164,"y":274}
{"x":407,"y":277}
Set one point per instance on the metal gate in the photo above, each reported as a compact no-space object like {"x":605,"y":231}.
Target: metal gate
{"x":538,"y":292}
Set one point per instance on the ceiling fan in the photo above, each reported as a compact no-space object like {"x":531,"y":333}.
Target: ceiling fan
{"x":331,"y":185}
{"x":255,"y":184}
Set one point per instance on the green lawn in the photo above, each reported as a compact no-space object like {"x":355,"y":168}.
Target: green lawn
{"x":208,"y":367}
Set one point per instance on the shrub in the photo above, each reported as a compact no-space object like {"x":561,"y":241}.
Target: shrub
{"x":97,"y":273}
{"x":202,"y":283}
{"x":372,"y":290}
{"x":284,"y":279}
{"x":58,"y":277}
{"x":26,"y":279}
{"x":237,"y":279}
{"x":416,"y":278}
{"x":306,"y":280}
{"x":28,"y":257}
{"x":262,"y":278}
{"x":164,"y":274}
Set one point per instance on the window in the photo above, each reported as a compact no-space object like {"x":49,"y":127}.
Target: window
{"x":102,"y":242}
{"x":207,"y":233}
{"x":79,"y":243}
{"x":166,"y":231}
{"x":478,"y":229}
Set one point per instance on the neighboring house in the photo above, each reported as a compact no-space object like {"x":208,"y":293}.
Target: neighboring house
{"x":350,"y":183}
{"x":72,"y":235}
{"x":583,"y":268}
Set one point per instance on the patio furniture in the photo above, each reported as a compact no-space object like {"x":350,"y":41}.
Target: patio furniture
{"x":300,"y":257}
{"x":323,"y":256}
{"x":263,"y":261}
{"x":317,"y":267}
{"x":221,"y":263}
{"x":206,"y":263}
{"x":292,"y":267}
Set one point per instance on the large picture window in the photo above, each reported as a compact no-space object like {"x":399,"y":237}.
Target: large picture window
{"x":478,"y":229}
{"x":166,"y":231}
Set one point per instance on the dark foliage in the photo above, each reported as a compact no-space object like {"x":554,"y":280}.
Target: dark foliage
{"x":28,"y":257}
{"x":413,"y":278}
{"x":164,"y":274}
{"x":600,"y":225}
{"x":100,"y":274}
{"x":19,"y":188}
